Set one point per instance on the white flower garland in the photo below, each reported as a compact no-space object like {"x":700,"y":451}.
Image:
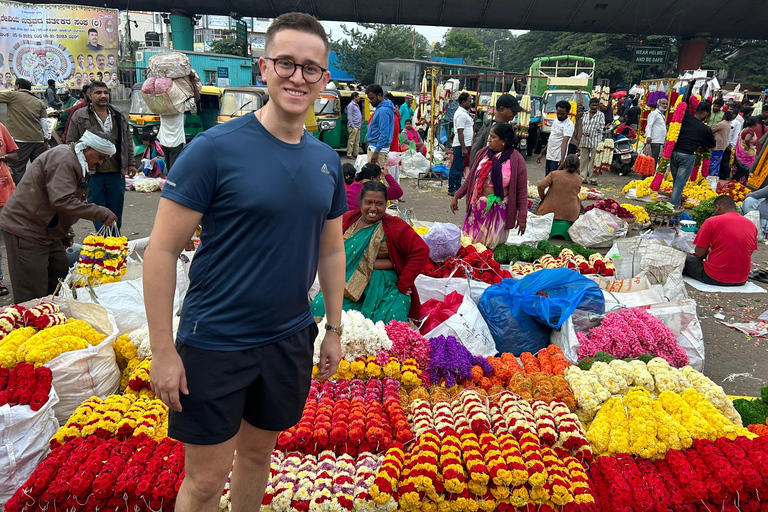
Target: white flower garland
{"x":361,"y":338}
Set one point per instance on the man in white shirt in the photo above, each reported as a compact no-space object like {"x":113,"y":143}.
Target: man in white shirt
{"x":556,"y":148}
{"x":171,"y":138}
{"x":656,"y":129}
{"x":463,"y":126}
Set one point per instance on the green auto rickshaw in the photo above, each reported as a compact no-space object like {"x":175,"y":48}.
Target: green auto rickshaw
{"x":331,"y":114}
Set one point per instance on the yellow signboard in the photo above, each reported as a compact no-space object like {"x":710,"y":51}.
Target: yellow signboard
{"x":70,"y":44}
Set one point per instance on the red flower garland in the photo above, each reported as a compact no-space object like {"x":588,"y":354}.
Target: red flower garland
{"x":25,"y":385}
{"x":480,"y":265}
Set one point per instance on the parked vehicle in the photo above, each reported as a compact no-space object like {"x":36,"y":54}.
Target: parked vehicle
{"x":624,"y":154}
{"x":331,"y":113}
{"x":239,"y":101}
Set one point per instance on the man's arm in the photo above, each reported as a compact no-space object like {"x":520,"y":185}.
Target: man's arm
{"x":174,"y":226}
{"x":330,"y":272}
{"x":6,"y":96}
{"x":701,"y":252}
{"x":564,"y":149}
{"x":460,"y":135}
{"x":61,"y":186}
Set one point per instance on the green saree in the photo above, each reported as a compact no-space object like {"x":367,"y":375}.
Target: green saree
{"x":372,"y":292}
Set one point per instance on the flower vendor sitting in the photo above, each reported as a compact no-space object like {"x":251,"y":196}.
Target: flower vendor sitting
{"x":727,"y":241}
{"x":384,"y":256}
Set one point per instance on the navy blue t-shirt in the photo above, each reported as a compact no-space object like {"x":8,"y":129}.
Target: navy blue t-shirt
{"x":264,"y":205}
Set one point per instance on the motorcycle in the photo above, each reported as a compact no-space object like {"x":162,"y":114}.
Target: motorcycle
{"x":624,"y":154}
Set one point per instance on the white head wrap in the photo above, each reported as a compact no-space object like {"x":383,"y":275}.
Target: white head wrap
{"x":93,"y":141}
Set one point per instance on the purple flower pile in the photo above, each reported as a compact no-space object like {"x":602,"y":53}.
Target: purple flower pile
{"x":654,"y":97}
{"x":450,"y":360}
{"x":631,"y":333}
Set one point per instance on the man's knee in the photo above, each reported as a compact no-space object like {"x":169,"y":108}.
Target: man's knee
{"x":254,"y":444}
{"x":206,"y":482}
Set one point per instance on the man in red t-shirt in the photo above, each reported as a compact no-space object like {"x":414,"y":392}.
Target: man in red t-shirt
{"x":727,"y":241}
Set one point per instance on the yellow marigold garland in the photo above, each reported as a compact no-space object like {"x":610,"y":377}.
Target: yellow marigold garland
{"x":9,"y":345}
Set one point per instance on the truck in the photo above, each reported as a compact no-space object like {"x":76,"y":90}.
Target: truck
{"x":559,"y":78}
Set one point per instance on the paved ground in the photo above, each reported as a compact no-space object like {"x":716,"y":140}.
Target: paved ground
{"x":735,"y":361}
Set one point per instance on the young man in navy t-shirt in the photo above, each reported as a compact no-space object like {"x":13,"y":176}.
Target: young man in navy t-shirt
{"x":269,"y":198}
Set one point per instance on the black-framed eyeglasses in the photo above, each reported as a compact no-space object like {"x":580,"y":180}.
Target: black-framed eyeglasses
{"x":285,"y":68}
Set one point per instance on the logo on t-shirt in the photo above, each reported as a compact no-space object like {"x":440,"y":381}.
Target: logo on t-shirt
{"x":324,"y":169}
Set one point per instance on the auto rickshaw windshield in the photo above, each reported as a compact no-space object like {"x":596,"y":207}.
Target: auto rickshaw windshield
{"x":138,"y":105}
{"x":325,"y":106}
{"x":235,"y":102}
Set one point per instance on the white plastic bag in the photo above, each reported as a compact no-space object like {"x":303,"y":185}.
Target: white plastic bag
{"x":597,"y":228}
{"x":660,"y":263}
{"x":537,"y":228}
{"x":443,"y":240}
{"x":630,"y":293}
{"x":169,"y":65}
{"x":24,"y":436}
{"x":680,"y":316}
{"x":360,"y":162}
{"x":468,"y":327}
{"x":439,"y":287}
{"x":412,"y":164}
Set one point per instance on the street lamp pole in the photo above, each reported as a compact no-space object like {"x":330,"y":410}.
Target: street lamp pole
{"x":493,"y":58}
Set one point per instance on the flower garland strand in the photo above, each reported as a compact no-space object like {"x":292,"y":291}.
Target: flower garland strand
{"x":669,"y":146}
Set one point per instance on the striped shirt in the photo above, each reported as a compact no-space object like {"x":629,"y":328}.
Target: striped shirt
{"x":592,"y":129}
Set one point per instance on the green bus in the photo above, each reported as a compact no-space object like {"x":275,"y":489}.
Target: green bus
{"x":568,"y":72}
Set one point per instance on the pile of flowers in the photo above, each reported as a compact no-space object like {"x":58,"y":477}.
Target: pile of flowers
{"x":722,"y":474}
{"x":603,"y":157}
{"x":361,"y":338}
{"x":39,"y":347}
{"x":669,"y":146}
{"x":407,"y":343}
{"x":596,"y":264}
{"x":138,"y":380}
{"x":102,"y":259}
{"x":603,"y":381}
{"x":450,"y":362}
{"x":640,"y":213}
{"x":468,"y":262}
{"x":117,"y":416}
{"x":611,"y":206}
{"x":697,"y":190}
{"x":25,"y":385}
{"x":630,"y":333}
{"x":323,"y":482}
{"x":124,"y":351}
{"x":543,"y":386}
{"x":736,"y":190}
{"x":643,"y":187}
{"x":351,"y":416}
{"x":137,"y":473}
{"x":648,"y":428}
{"x":653,"y":98}
{"x":645,"y":165}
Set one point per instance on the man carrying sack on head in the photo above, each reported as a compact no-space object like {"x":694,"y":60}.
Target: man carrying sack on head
{"x":48,"y":201}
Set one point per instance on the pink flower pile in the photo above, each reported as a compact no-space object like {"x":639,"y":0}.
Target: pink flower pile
{"x":611,"y":206}
{"x":631,"y":333}
{"x":407,"y":343}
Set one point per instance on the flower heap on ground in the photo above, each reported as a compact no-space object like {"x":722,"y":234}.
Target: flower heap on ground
{"x":643,"y":187}
{"x":611,"y":206}
{"x":97,"y":474}
{"x":639,"y":213}
{"x":639,"y":425}
{"x":630,"y":333}
{"x":361,"y":338}
{"x":475,"y":453}
{"x":25,"y":385}
{"x":712,"y":475}
{"x":327,"y":481}
{"x":469,"y":262}
{"x":102,"y":260}
{"x":604,"y":381}
{"x":39,"y":347}
{"x":596,"y":264}
{"x":736,"y":190}
{"x":350,"y":417}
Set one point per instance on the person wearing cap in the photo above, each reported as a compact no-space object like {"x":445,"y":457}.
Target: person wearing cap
{"x":406,"y":111}
{"x":507,"y":107}
{"x":47,"y":202}
{"x":592,"y":126}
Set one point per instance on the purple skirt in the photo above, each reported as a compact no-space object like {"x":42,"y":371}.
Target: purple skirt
{"x":488,"y":228}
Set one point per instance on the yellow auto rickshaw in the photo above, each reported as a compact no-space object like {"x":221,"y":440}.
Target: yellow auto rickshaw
{"x":239,"y":101}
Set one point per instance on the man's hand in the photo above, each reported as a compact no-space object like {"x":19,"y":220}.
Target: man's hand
{"x":374,"y":158}
{"x":559,"y":167}
{"x":168,"y":378}
{"x":648,"y":140}
{"x":455,"y":204}
{"x":463,"y":151}
{"x":538,"y":158}
{"x":111,"y":219}
{"x":330,"y":355}
{"x":132,"y":170}
{"x":521,"y":228}
{"x":67,"y":241}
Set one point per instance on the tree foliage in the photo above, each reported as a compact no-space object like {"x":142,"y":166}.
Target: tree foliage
{"x":360,"y":49}
{"x":476,"y":45}
{"x":227,"y":45}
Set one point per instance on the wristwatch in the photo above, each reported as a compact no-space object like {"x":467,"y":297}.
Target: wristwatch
{"x":338,"y":329}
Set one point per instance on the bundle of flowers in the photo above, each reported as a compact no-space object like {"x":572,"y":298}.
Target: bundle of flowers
{"x":25,"y":385}
{"x":645,"y":165}
{"x":450,"y":362}
{"x":695,"y":191}
{"x":640,"y":214}
{"x":139,"y":378}
{"x":653,"y":98}
{"x":371,"y":367}
{"x":93,"y":473}
{"x":117,"y":416}
{"x":361,"y":338}
{"x":39,"y":347}
{"x":543,"y":386}
{"x":643,"y":187}
{"x":701,"y":162}
{"x":639,"y":425}
{"x":353,"y":416}
{"x":630,"y":333}
{"x":595,"y":264}
{"x":736,"y":190}
{"x":10,"y":320}
{"x":603,"y":157}
{"x":124,"y":351}
{"x":468,"y":262}
{"x":604,"y":380}
{"x":408,"y":343}
{"x":140,"y":339}
{"x":102,"y":259}
{"x":611,"y":206}
{"x":669,"y":146}
{"x":325,"y":482}
{"x":42,"y":316}
{"x":722,"y":474}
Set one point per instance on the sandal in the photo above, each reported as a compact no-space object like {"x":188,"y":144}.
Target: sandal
{"x":3,"y":290}
{"x":759,"y":275}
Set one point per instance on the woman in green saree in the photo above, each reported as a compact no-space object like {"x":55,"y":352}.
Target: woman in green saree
{"x":384,"y":256}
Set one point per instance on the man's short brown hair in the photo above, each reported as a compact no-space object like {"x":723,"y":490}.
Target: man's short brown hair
{"x":297,"y":21}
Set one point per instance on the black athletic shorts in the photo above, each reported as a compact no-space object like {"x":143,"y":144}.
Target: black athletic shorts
{"x":265,"y":386}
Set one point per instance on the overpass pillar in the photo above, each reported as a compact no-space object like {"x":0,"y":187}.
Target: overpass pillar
{"x":691,"y":53}
{"x":182,"y":32}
